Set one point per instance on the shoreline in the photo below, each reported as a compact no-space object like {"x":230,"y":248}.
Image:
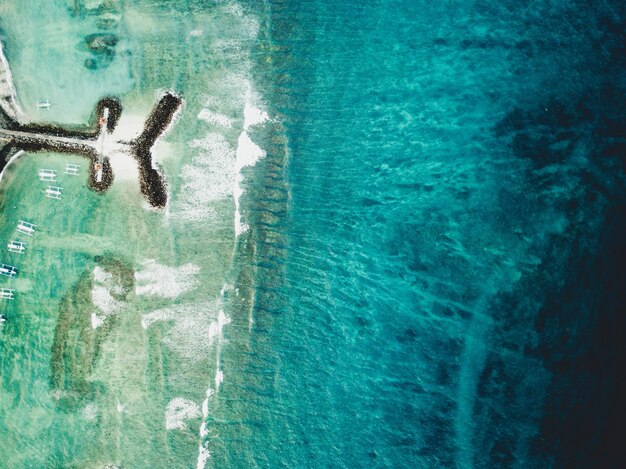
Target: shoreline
{"x":8,"y":80}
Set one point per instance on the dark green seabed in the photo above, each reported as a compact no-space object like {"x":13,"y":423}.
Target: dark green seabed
{"x":424,"y":269}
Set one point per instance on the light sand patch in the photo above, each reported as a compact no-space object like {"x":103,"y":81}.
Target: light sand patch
{"x":102,"y":299}
{"x":178,"y":410}
{"x":124,"y":167}
{"x":163,"y":150}
{"x":128,"y":127}
{"x":101,"y":276}
{"x":164,"y":281}
{"x":113,"y":145}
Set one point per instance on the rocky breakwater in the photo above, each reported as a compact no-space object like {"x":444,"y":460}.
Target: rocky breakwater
{"x":153,"y":184}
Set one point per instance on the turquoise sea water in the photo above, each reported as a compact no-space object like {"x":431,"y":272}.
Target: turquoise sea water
{"x":431,"y":276}
{"x":428,"y":284}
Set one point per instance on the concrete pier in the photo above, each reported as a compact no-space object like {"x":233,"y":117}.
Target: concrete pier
{"x":43,"y":138}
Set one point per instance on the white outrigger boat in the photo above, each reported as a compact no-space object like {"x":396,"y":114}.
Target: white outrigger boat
{"x":17,"y":246}
{"x":26,"y":227}
{"x":48,"y":175}
{"x":71,"y":169}
{"x":8,"y":270}
{"x":53,"y":192}
{"x":6,"y":294}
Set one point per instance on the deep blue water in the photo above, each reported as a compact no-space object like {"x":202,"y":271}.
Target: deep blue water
{"x":439,"y":225}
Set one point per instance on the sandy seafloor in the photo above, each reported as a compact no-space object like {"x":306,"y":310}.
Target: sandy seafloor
{"x":112,"y":342}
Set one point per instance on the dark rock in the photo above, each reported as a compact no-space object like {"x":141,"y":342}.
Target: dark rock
{"x":91,"y":64}
{"x":153,"y":184}
{"x":100,"y":43}
{"x":106,"y":23}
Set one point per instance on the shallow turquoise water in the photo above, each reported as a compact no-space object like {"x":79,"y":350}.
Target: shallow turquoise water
{"x":94,"y":373}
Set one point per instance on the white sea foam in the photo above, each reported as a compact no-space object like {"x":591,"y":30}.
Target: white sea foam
{"x":229,"y":49}
{"x":219,"y":378}
{"x":234,"y":9}
{"x":203,"y":452}
{"x":178,"y":410}
{"x":226,"y":287}
{"x":253,"y":116}
{"x":215,"y":118}
{"x":222,"y":319}
{"x":203,"y":456}
{"x":215,"y":328}
{"x":213,"y":331}
{"x":154,"y":316}
{"x":188,"y":337}
{"x":248,"y":153}
{"x":188,"y":329}
{"x":164,"y":281}
{"x":206,"y":179}
{"x":215,"y":338}
{"x":249,"y":26}
{"x":205,"y":405}
{"x":214,"y":173}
